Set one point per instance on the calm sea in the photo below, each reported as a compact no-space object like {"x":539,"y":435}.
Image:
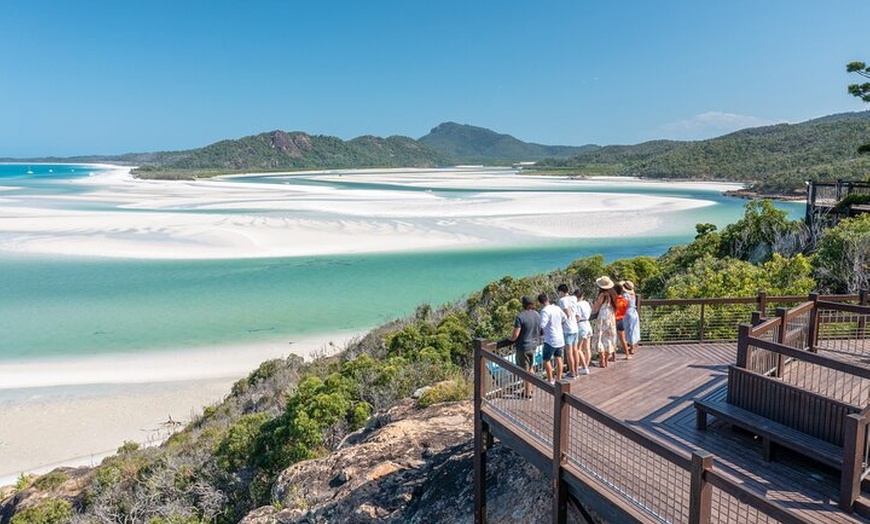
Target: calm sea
{"x":67,"y":306}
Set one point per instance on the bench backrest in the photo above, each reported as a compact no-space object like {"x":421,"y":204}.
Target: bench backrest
{"x":796,"y":408}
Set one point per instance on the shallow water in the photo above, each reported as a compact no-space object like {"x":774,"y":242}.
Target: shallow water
{"x":66,"y":306}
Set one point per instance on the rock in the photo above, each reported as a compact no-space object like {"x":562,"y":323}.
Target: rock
{"x":415,"y":469}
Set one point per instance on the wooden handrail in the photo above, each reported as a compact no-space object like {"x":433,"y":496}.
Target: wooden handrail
{"x":812,"y":358}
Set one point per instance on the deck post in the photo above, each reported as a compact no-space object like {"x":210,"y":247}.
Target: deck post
{"x":853,"y":461}
{"x":701,"y":494}
{"x":813,"y":334}
{"x":862,"y":320}
{"x":482,"y":436}
{"x":701,"y":324}
{"x":560,"y":449}
{"x":743,"y":346}
{"x":782,"y":313}
{"x":762,"y":303}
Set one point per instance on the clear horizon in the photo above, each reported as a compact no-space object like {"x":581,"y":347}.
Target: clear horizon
{"x":102,"y":78}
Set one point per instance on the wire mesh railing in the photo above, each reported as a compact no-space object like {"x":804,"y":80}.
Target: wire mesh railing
{"x":654,"y":478}
{"x":521,"y":397}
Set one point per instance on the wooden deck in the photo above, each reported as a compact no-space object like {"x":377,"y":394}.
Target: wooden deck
{"x":653,"y":393}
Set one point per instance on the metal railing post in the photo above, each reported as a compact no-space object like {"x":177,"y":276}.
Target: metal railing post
{"x":853,"y":460}
{"x":560,"y":451}
{"x":481,"y":435}
{"x":701,"y":494}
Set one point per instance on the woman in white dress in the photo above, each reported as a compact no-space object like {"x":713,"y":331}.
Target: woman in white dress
{"x":605,"y":306}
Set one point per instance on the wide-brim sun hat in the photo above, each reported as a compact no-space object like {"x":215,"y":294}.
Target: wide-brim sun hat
{"x":604,"y":282}
{"x":628,"y":284}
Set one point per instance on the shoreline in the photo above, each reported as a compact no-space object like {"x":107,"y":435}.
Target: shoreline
{"x":83,"y":414}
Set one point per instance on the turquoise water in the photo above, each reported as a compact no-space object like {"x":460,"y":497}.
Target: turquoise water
{"x":67,"y":306}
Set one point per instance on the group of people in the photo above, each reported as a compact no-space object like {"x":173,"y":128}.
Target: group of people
{"x":567,"y":332}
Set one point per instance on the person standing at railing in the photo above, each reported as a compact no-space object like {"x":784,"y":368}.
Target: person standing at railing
{"x":552,"y":318}
{"x":584,"y":329}
{"x":632,"y":318}
{"x":525,"y":337}
{"x":619,"y":313}
{"x":605,"y":305}
{"x":568,"y":303}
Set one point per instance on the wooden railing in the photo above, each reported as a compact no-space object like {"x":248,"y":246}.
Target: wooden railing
{"x":650,"y":480}
{"x":712,"y":319}
{"x":805,"y":358}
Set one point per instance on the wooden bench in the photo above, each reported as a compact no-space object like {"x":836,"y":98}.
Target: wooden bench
{"x":769,"y":431}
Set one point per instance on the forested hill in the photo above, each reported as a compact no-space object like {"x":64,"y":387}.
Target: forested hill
{"x":478,"y":145}
{"x":775,"y":159}
{"x":280,"y":150}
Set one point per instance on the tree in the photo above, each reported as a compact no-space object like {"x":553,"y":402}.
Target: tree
{"x":861,"y":91}
{"x":842,"y":262}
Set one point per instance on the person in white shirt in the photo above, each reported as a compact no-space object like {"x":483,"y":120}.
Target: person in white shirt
{"x":569,"y":305}
{"x":552,"y":318}
{"x":584,"y":329}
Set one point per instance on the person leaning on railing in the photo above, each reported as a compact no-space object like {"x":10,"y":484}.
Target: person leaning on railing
{"x":525,"y":337}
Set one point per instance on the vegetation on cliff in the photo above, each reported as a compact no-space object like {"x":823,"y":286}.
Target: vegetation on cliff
{"x":774,"y":159}
{"x":225,"y":463}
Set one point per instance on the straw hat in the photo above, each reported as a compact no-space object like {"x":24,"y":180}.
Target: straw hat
{"x":604,"y":282}
{"x":628,"y":284}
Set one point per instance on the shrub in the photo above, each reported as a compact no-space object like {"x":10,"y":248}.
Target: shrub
{"x":50,"y":480}
{"x":447,"y":391}
{"x":51,"y":511}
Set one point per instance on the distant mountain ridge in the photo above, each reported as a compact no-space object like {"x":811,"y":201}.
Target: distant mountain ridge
{"x":774,"y":159}
{"x":477,"y":145}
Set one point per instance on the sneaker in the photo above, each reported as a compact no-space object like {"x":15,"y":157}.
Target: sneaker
{"x":568,"y":375}
{"x":584,"y":371}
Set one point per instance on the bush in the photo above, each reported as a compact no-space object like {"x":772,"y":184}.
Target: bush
{"x":50,"y":480}
{"x":447,"y":391}
{"x":51,"y":511}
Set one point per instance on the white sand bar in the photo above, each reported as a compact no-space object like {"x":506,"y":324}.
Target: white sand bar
{"x":318,"y":213}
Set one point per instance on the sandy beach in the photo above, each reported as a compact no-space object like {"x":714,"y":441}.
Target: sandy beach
{"x":76,"y":411}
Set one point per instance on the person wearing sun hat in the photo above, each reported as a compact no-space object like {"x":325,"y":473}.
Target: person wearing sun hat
{"x":632,"y":319}
{"x":605,"y":306}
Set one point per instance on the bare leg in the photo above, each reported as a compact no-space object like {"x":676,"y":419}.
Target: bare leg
{"x":548,"y":368}
{"x":586,"y":352}
{"x":558,"y":368}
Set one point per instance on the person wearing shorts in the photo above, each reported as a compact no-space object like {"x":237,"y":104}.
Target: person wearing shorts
{"x":552,"y":318}
{"x":526,"y":337}
{"x":569,"y":306}
{"x":584,"y":330}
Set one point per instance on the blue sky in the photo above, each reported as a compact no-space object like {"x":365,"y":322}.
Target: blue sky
{"x":112,"y":77}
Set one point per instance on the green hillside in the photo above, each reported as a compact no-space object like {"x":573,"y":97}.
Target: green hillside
{"x":774,"y":159}
{"x":280,"y":150}
{"x":477,"y":145}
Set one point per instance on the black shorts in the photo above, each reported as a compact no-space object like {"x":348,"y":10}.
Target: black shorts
{"x":525,"y":359}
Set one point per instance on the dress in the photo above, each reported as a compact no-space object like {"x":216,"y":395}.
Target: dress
{"x":606,"y":336}
{"x":631,"y":321}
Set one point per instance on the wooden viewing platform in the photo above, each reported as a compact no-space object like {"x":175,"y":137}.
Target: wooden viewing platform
{"x":627,"y":438}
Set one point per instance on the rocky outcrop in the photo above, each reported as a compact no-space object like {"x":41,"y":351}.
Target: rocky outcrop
{"x":415,"y":466}
{"x":62,"y":483}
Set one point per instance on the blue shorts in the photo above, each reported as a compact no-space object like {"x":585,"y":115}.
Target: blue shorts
{"x":585,"y":329}
{"x":550,"y":352}
{"x":570,"y":339}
